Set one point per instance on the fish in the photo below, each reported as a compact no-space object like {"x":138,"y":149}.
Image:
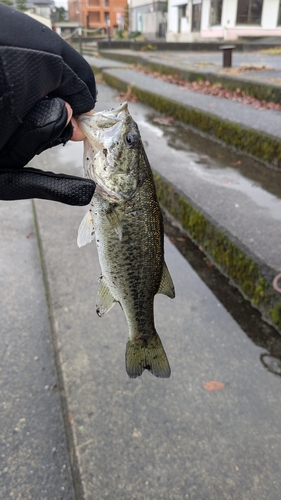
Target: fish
{"x":126,"y":221}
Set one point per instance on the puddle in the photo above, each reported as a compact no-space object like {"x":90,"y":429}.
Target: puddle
{"x":222,"y":166}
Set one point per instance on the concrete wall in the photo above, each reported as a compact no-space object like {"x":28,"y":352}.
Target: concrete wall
{"x":147,"y":17}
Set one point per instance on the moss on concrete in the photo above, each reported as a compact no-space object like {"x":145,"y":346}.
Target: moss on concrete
{"x":126,"y":58}
{"x":250,"y":141}
{"x":252,"y":279}
{"x":259,"y":90}
{"x":275,"y":314}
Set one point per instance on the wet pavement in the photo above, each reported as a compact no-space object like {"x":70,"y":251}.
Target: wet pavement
{"x":146,"y":439}
{"x":34,"y":462}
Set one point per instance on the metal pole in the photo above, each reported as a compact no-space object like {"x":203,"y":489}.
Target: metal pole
{"x":108,"y":33}
{"x":80,"y":38}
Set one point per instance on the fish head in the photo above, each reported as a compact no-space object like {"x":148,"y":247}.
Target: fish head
{"x":112,"y":149}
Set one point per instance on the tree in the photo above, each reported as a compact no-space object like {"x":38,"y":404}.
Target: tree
{"x":61,"y":14}
{"x":126,"y":18}
{"x":8,"y":2}
{"x":21,"y":5}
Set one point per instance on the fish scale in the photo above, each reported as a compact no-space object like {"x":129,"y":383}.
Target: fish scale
{"x":127,"y":221}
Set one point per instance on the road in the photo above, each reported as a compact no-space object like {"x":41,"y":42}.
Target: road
{"x":143,"y":439}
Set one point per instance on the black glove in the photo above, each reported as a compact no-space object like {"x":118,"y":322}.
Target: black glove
{"x":27,"y":183}
{"x":36,"y":66}
{"x":43,"y":128}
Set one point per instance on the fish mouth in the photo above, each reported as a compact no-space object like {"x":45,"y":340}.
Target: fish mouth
{"x":117,"y":113}
{"x":103,"y":119}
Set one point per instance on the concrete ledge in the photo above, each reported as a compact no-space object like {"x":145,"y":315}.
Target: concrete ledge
{"x":188,"y":46}
{"x":250,"y":141}
{"x":249,"y":274}
{"x":259,"y":90}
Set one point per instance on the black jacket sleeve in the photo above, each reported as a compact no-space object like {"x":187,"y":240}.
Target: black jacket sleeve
{"x":38,"y":70}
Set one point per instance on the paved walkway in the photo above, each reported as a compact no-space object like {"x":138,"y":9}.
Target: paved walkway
{"x":143,"y":439}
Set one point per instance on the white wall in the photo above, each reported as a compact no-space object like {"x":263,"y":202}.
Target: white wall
{"x":137,"y":3}
{"x":205,"y":15}
{"x":269,"y":14}
{"x":151,"y":21}
{"x":229,"y":13}
{"x":228,"y":29}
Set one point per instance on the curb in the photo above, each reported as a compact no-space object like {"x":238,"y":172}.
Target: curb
{"x":64,"y":396}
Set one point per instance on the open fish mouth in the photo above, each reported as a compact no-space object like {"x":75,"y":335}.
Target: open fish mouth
{"x":103,"y":119}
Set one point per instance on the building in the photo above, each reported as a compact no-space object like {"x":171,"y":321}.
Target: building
{"x":96,"y":14}
{"x":191,"y":20}
{"x":149,"y":18}
{"x":42,"y":10}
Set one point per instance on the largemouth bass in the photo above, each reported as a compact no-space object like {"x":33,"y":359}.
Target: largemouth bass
{"x":126,"y":221}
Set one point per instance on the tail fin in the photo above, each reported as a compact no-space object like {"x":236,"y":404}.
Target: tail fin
{"x":149,"y":355}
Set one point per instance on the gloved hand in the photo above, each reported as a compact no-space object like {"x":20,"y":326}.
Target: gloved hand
{"x":39,"y":72}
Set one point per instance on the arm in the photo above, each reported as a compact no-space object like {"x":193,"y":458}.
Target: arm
{"x":39,"y":72}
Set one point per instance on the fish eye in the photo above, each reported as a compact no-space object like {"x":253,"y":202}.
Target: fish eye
{"x":132,"y":140}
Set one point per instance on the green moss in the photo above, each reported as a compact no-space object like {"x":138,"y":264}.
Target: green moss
{"x":275,"y":314}
{"x":259,"y":90}
{"x":249,"y":276}
{"x":126,"y":58}
{"x":232,"y":261}
{"x":250,"y":141}
{"x":116,"y":82}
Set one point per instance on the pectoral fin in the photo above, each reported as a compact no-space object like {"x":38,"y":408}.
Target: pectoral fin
{"x":86,"y":231}
{"x":115,"y":222}
{"x":166,"y":286}
{"x":105,"y":301}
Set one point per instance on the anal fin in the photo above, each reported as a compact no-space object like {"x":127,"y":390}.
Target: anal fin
{"x":166,"y":285}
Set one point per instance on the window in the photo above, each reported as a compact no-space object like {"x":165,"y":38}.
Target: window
{"x":196,"y":17}
{"x":181,"y":14}
{"x":94,"y":17}
{"x":106,"y":17}
{"x":215,"y":13}
{"x":249,"y":11}
{"x":106,"y":3}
